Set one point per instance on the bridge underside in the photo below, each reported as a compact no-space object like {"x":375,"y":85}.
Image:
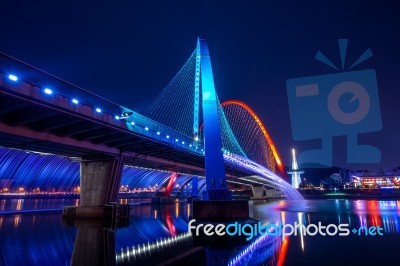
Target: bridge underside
{"x":33,"y":126}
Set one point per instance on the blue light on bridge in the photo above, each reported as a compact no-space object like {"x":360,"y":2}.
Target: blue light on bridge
{"x":98,"y":110}
{"x":158,"y":133}
{"x":48,"y":91}
{"x":167,"y":136}
{"x":75,"y":101}
{"x":183,"y":142}
{"x":146,"y":128}
{"x":117,"y":117}
{"x":176,"y":140}
{"x":196,"y":138}
{"x":13,"y":77}
{"x":126,"y":115}
{"x":132,"y":123}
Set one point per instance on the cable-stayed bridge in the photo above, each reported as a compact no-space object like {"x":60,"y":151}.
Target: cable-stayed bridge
{"x":186,"y":130}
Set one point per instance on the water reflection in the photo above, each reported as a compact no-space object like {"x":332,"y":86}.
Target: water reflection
{"x":301,"y":233}
{"x":35,"y":239}
{"x":265,"y":249}
{"x":158,"y":234}
{"x":355,"y":213}
{"x":17,"y":220}
{"x":2,"y":205}
{"x":94,"y":244}
{"x":20,"y":203}
{"x":23,"y":205}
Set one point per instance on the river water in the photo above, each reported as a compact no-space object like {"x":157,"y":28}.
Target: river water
{"x":32,"y":232}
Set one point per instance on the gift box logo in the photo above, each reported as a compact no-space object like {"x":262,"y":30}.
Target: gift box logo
{"x":342,"y":103}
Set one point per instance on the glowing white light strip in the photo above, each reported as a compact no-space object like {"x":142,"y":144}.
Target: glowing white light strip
{"x":133,"y":253}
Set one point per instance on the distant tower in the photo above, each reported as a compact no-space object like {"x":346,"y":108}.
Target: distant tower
{"x":295,"y":171}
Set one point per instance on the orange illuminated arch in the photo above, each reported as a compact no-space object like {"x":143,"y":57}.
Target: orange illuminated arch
{"x":262,"y":127}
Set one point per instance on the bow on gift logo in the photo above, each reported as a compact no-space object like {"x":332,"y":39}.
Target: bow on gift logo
{"x":345,"y":103}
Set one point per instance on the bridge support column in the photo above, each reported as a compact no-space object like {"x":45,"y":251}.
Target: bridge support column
{"x":258,"y":192}
{"x":217,"y":204}
{"x":214,"y":159}
{"x":99,"y":184}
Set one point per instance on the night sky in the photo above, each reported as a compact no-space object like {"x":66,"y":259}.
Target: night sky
{"x":128,"y":51}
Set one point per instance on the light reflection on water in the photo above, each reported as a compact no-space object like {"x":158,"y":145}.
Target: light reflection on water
{"x":9,"y":205}
{"x":353,"y":212}
{"x":159,"y":233}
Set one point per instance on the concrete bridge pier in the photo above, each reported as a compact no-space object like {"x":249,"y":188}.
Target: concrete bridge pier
{"x":258,"y":192}
{"x":99,"y":184}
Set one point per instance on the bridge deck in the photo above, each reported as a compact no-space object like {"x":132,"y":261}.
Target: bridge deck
{"x":30,"y":122}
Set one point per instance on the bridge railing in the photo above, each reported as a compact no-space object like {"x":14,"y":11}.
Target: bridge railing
{"x":92,"y":105}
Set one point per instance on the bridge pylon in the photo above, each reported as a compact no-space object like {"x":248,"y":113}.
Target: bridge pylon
{"x":99,"y":184}
{"x":216,"y":188}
